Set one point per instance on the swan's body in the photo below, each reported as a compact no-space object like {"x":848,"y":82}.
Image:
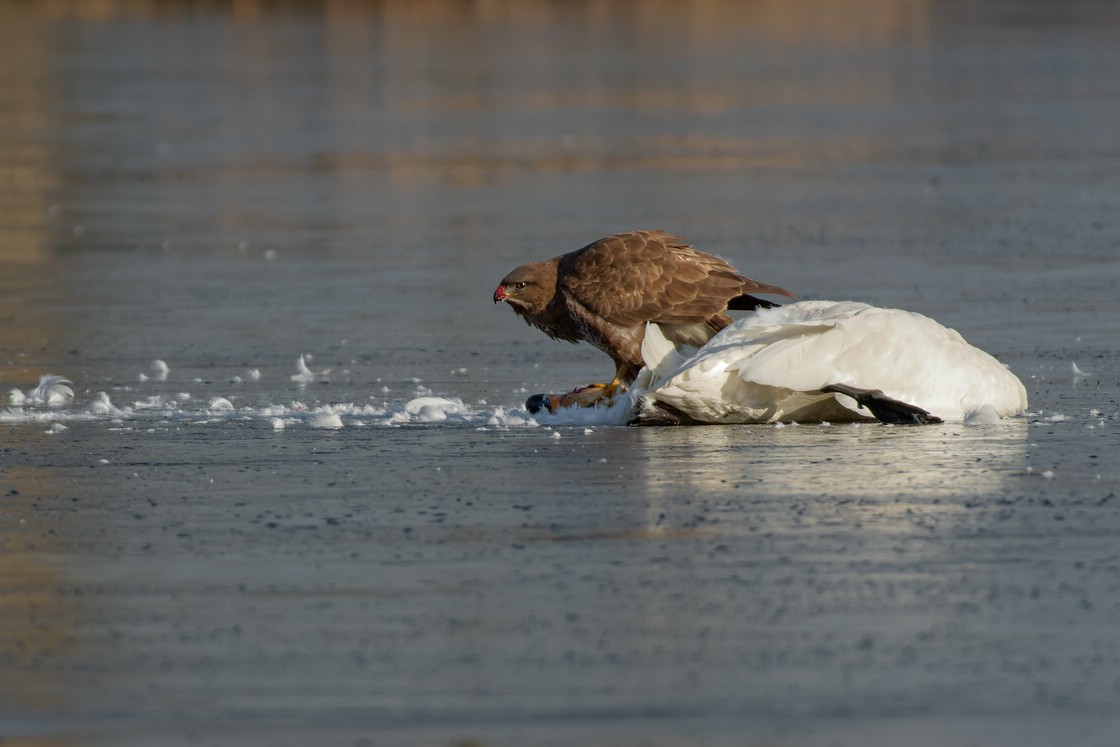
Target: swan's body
{"x":772,"y":365}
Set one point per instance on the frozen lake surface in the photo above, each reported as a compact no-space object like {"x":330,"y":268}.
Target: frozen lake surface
{"x":388,"y":549}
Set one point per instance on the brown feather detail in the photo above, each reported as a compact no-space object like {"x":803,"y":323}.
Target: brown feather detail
{"x":607,"y":291}
{"x":651,"y":276}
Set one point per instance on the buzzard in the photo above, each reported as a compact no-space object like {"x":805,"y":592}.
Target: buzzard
{"x":606,"y":292}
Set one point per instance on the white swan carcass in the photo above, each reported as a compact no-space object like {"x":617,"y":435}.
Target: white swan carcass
{"x":773,"y":365}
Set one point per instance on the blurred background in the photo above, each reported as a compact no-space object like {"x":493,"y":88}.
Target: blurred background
{"x":158,"y":156}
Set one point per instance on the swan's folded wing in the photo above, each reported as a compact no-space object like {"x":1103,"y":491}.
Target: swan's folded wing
{"x":908,"y":356}
{"x":752,"y":369}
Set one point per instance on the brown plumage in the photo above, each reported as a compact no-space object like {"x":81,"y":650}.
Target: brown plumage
{"x":605,"y":293}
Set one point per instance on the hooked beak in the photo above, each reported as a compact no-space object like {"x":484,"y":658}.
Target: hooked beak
{"x":500,"y":294}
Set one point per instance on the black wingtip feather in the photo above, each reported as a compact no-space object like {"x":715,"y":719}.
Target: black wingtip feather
{"x":747,"y":302}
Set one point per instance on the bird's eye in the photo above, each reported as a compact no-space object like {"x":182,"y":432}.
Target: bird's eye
{"x":519,"y":286}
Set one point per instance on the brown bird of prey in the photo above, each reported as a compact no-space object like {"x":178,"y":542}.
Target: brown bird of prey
{"x":606,"y":292}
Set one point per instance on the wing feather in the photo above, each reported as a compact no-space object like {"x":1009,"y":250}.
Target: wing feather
{"x":651,"y":276}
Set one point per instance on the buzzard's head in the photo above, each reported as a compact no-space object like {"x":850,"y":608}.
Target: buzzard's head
{"x":529,"y":288}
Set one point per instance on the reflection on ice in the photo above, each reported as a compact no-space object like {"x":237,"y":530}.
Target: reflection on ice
{"x":861,"y":461}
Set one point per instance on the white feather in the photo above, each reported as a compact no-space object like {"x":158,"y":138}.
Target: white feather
{"x":160,"y":370}
{"x":305,"y":375}
{"x":771,"y":366}
{"x":660,"y":355}
{"x":52,"y":391}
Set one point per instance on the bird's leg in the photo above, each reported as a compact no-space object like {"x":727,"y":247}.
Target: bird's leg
{"x":609,"y":390}
{"x":590,"y":395}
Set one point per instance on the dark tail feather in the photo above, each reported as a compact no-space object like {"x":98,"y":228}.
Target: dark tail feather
{"x":883,"y":407}
{"x":747,"y":302}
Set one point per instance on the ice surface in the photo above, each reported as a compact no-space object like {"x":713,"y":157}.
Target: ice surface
{"x":45,"y":404}
{"x":48,"y":403}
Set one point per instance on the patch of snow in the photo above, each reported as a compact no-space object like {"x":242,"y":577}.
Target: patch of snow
{"x":103,"y":407}
{"x":220,"y":404}
{"x":433,"y":409}
{"x":326,"y":417}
